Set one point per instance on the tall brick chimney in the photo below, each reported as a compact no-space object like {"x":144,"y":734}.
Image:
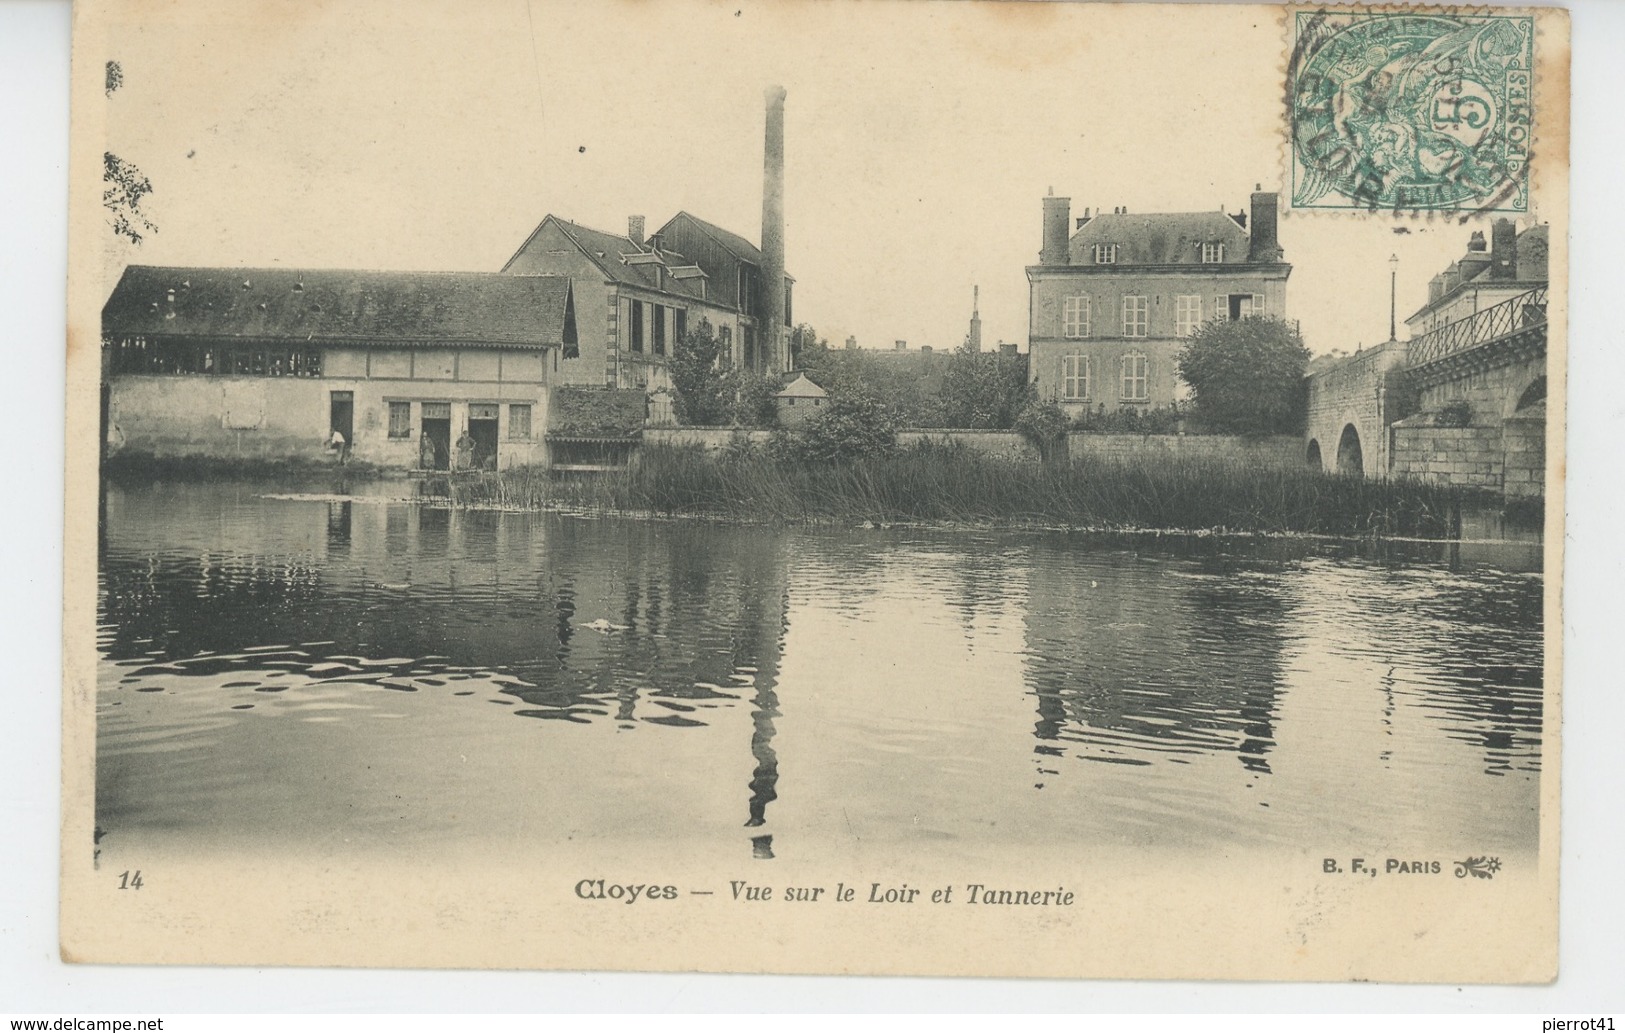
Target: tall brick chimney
{"x":1057,"y":214}
{"x":772,"y":330}
{"x":1503,"y":250}
{"x":1263,"y":245}
{"x":634,"y":229}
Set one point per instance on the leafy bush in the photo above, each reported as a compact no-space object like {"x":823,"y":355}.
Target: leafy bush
{"x":597,"y":411}
{"x":1045,"y":425}
{"x":853,"y":427}
{"x":1169,"y":420}
{"x":1247,"y":375}
{"x":1455,"y":414}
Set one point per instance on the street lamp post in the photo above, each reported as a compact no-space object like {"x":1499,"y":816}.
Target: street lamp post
{"x":1393,"y":296}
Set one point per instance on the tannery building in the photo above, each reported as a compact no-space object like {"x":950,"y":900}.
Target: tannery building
{"x":1115,"y":294}
{"x":636,"y":296}
{"x":272,"y":362}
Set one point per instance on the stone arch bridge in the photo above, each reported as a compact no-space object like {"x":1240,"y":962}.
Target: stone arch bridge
{"x":1464,"y":404}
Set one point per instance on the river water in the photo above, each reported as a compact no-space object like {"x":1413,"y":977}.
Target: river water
{"x":337,"y":676}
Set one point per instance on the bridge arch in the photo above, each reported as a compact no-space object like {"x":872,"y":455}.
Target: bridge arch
{"x":1349,"y":456}
{"x":1534,"y":391}
{"x":1313,"y":456}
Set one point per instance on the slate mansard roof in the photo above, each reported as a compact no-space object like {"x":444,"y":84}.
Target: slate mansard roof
{"x":341,"y":305}
{"x":1160,"y":238}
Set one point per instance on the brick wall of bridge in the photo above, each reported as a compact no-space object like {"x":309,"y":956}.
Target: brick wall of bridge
{"x":1492,"y":393}
{"x":1364,"y":391}
{"x":1466,"y":457}
{"x":1501,"y":449}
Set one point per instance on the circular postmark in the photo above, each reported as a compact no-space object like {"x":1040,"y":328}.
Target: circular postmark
{"x":1410,"y":111}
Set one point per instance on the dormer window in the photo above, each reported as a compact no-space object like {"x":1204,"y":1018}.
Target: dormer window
{"x":1212,"y":253}
{"x":1105,"y":254}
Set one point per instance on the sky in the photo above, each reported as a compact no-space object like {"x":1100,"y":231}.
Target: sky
{"x":920,"y":138}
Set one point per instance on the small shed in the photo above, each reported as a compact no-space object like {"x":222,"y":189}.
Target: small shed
{"x":800,"y":401}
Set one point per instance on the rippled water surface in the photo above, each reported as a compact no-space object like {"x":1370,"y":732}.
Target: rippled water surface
{"x":364,"y":674}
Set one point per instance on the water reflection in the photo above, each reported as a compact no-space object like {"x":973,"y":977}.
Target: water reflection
{"x":346,"y":671}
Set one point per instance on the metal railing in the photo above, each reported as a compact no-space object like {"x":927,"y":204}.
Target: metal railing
{"x":1521,"y":312}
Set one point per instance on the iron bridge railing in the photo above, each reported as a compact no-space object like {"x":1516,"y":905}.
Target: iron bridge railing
{"x":1521,"y":312}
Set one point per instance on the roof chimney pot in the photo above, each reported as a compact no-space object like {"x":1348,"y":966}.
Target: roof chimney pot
{"x":1057,"y":217}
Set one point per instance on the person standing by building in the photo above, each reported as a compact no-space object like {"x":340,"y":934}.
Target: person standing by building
{"x":465,"y":451}
{"x":339,"y":446}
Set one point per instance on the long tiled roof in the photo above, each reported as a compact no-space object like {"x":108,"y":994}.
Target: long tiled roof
{"x":338,"y":305}
{"x":1160,"y":238}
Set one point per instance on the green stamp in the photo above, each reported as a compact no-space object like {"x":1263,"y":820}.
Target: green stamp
{"x":1410,"y":110}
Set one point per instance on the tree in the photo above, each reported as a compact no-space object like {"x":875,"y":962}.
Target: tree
{"x":704,"y":396}
{"x":803,"y":340}
{"x":985,"y":391}
{"x":902,"y":384}
{"x":123,"y":185}
{"x":1246,"y":375}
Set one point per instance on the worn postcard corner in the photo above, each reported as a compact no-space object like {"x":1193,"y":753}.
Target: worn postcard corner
{"x":857,"y":488}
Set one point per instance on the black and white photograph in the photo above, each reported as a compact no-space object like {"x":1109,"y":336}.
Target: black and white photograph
{"x":914,"y":488}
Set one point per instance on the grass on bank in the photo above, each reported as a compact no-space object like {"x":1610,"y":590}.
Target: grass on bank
{"x":936,"y":483}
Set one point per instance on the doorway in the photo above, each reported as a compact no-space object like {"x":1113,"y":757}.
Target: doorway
{"x":436,"y":435}
{"x":341,"y":417}
{"x":482,"y":427}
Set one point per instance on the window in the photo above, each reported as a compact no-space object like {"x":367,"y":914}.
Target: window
{"x":1105,"y":254}
{"x":1187,"y":313}
{"x":400,"y":419}
{"x":1075,"y":317}
{"x":725,"y":349}
{"x":637,"y":326}
{"x":1238,"y":306}
{"x":519,"y":422}
{"x":1212,"y":253}
{"x":679,"y":326}
{"x":1074,"y":376}
{"x":1134,"y":315}
{"x":659,"y":335}
{"x":140,"y":355}
{"x":1136,"y":385}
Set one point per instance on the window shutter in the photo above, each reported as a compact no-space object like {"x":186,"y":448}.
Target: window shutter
{"x":1221,"y":306}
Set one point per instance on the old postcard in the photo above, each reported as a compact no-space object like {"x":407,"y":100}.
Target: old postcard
{"x":941,"y":488}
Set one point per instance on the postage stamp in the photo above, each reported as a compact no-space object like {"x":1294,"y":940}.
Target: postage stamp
{"x":1410,"y":110}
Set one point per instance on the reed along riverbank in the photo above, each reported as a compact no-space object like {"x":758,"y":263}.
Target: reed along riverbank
{"x":958,"y":485}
